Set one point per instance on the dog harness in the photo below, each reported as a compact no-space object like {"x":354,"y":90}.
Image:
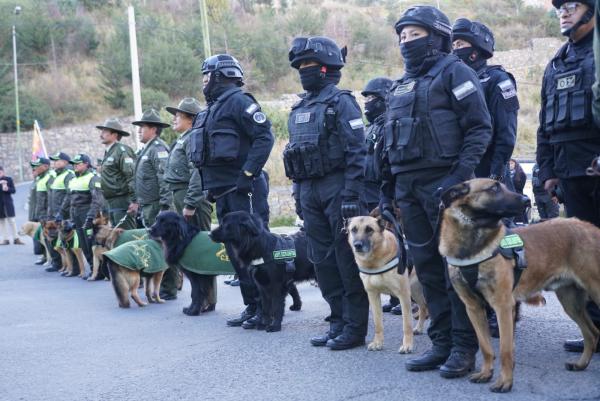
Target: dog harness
{"x":281,"y":250}
{"x":511,"y":247}
{"x":380,"y":270}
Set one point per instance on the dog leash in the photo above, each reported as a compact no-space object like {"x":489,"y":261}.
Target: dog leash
{"x":435,"y":231}
{"x":399,"y":238}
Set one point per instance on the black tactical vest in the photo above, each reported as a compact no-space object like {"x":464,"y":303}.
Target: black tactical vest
{"x":568,"y":97}
{"x":374,"y":136}
{"x":488,"y":77}
{"x":314,"y":149}
{"x":413,"y":131}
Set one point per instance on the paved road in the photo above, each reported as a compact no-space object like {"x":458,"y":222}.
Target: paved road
{"x":66,"y":339}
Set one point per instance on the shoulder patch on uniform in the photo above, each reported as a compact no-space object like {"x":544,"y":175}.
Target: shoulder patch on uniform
{"x":122,"y":148}
{"x":485,"y":79}
{"x":463,"y":90}
{"x":252,"y":108}
{"x":162,"y":154}
{"x":97,"y":184}
{"x":356,"y":123}
{"x":128,"y":160}
{"x":508,"y":89}
{"x":259,"y":117}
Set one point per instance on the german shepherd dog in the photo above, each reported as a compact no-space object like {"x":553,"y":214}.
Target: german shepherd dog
{"x":562,"y":255}
{"x":69,"y":248}
{"x":175,"y":234}
{"x":104,"y":237}
{"x":29,"y":228}
{"x":374,"y":246}
{"x":245,"y":234}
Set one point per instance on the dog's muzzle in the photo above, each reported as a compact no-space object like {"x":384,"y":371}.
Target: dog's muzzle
{"x":361,"y":246}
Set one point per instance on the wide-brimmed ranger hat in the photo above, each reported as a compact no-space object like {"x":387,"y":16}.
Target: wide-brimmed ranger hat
{"x":151,"y":117}
{"x":115,"y":125}
{"x":188,"y":105}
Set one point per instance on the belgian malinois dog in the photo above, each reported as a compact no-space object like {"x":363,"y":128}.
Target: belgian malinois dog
{"x":562,"y":255}
{"x":375,"y":249}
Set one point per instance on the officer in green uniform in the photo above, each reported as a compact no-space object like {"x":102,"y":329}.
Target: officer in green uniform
{"x":151,"y":191}
{"x":43,"y":172}
{"x":185,"y":182}
{"x":37,"y":246}
{"x":84,"y":200}
{"x":57,"y":190}
{"x":117,"y":168}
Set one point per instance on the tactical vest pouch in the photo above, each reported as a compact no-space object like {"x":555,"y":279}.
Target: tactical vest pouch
{"x":197,"y":147}
{"x":578,"y":109}
{"x":446,"y":133}
{"x":224,"y":145}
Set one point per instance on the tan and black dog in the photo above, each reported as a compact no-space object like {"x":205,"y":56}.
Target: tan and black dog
{"x":30,"y":228}
{"x":560,"y":255}
{"x":69,"y":247}
{"x":104,"y":238}
{"x":376,"y":253}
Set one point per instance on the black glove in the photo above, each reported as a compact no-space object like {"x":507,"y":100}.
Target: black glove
{"x":457,"y":175}
{"x":385,"y":204}
{"x":209,"y":197}
{"x":350,"y":207}
{"x":88,"y":223}
{"x":245,"y":184}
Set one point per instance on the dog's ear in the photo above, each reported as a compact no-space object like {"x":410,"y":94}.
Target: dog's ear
{"x":381,"y":223}
{"x":249,"y":223}
{"x":455,"y":192}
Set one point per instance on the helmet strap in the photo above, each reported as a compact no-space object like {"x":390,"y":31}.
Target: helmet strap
{"x":587,"y":17}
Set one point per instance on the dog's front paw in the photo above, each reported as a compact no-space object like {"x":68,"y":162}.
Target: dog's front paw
{"x":159,"y":300}
{"x":375,"y":346}
{"x":406,"y":349}
{"x":417,"y":331}
{"x":142,"y":304}
{"x":501,"y":386}
{"x":273,"y":328}
{"x":481,"y":377}
{"x":296,"y":307}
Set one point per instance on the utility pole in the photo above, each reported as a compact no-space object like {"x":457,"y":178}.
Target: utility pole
{"x":205,"y":33}
{"x":18,"y":117}
{"x":135,"y":70}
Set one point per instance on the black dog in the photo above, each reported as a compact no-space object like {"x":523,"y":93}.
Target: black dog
{"x":274,"y":270}
{"x":176,"y":234}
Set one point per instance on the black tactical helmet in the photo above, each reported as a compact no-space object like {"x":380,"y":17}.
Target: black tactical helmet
{"x":378,"y":87}
{"x":317,"y":48}
{"x":558,"y":3}
{"x":476,"y":33}
{"x":428,"y":17}
{"x":225,"y":64}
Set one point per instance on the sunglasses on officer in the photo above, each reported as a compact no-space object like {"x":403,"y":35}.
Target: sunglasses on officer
{"x":567,"y":8}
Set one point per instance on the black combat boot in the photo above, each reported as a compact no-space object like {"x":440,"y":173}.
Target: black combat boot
{"x":321,"y":341}
{"x":430,"y":360}
{"x":459,"y":364}
{"x":345,"y":341}
{"x":246,"y":314}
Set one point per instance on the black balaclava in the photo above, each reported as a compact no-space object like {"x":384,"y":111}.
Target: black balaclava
{"x":316,"y":77}
{"x":470,"y":56}
{"x":374,"y":108}
{"x":217,"y":86}
{"x":421,"y":54}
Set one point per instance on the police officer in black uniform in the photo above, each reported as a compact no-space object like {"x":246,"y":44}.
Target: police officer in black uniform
{"x":436,"y":131}
{"x":568,"y":139}
{"x":231,"y":142}
{"x":375,"y":93}
{"x":473,"y":43}
{"x":547,"y":204}
{"x":325,"y":158}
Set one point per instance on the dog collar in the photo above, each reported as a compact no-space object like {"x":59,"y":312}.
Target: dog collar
{"x":471,"y":261}
{"x":385,"y":268}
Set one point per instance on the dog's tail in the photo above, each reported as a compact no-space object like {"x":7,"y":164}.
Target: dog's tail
{"x":119,"y":283}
